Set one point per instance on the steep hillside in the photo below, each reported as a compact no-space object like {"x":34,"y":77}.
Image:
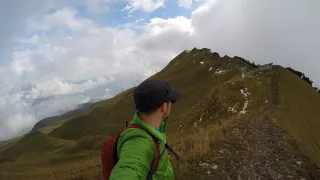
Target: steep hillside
{"x":33,"y":144}
{"x":46,"y":125}
{"x":299,"y":112}
{"x":7,"y":143}
{"x":225,"y":126}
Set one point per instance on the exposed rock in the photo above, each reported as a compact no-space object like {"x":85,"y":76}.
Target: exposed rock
{"x":4,"y":159}
{"x":216,"y":54}
{"x":214,"y":166}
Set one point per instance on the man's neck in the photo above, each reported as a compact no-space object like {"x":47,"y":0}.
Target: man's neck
{"x":152,"y":120}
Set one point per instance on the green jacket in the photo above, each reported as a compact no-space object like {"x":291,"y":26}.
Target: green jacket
{"x":136,"y":151}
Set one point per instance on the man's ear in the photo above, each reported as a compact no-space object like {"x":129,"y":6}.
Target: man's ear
{"x":164,"y":107}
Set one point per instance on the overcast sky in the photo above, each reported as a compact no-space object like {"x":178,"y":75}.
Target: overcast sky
{"x":55,"y":54}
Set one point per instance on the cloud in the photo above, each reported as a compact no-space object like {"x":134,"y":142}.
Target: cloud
{"x":144,"y":5}
{"x":18,"y":125}
{"x":16,"y":22}
{"x":59,"y":87}
{"x":3,"y":102}
{"x":34,"y":39}
{"x":98,"y":6}
{"x":63,"y":19}
{"x":166,"y":36}
{"x":107,"y":93}
{"x":185,"y":3}
{"x":76,"y":49}
{"x":78,"y":59}
{"x":21,"y":63}
{"x":15,"y":15}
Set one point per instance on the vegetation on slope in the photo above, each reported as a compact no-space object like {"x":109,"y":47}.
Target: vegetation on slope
{"x":301,"y":75}
{"x":299,"y":113}
{"x":55,"y":121}
{"x":252,"y":64}
{"x":34,"y":143}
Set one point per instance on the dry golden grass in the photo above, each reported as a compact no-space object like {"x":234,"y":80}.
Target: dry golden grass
{"x":197,"y":146}
{"x":191,"y":148}
{"x":86,"y":169}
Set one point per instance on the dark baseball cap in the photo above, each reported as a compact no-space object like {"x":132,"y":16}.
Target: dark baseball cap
{"x":151,"y":94}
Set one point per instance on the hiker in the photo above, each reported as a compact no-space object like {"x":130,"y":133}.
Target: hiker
{"x":141,"y":150}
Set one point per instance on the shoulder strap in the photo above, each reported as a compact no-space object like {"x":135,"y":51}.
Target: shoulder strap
{"x":172,"y":152}
{"x":155,"y":161}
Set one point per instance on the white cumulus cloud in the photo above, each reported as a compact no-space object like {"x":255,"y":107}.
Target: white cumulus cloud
{"x":21,"y":62}
{"x":185,"y":3}
{"x":144,"y":5}
{"x":62,"y":19}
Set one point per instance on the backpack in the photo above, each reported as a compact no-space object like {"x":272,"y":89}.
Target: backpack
{"x":109,"y":156}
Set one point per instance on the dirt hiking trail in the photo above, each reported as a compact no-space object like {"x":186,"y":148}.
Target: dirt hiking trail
{"x":259,"y":149}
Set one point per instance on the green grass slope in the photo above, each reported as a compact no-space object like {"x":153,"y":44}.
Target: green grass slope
{"x":34,"y":144}
{"x":299,"y":112}
{"x":5,"y":144}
